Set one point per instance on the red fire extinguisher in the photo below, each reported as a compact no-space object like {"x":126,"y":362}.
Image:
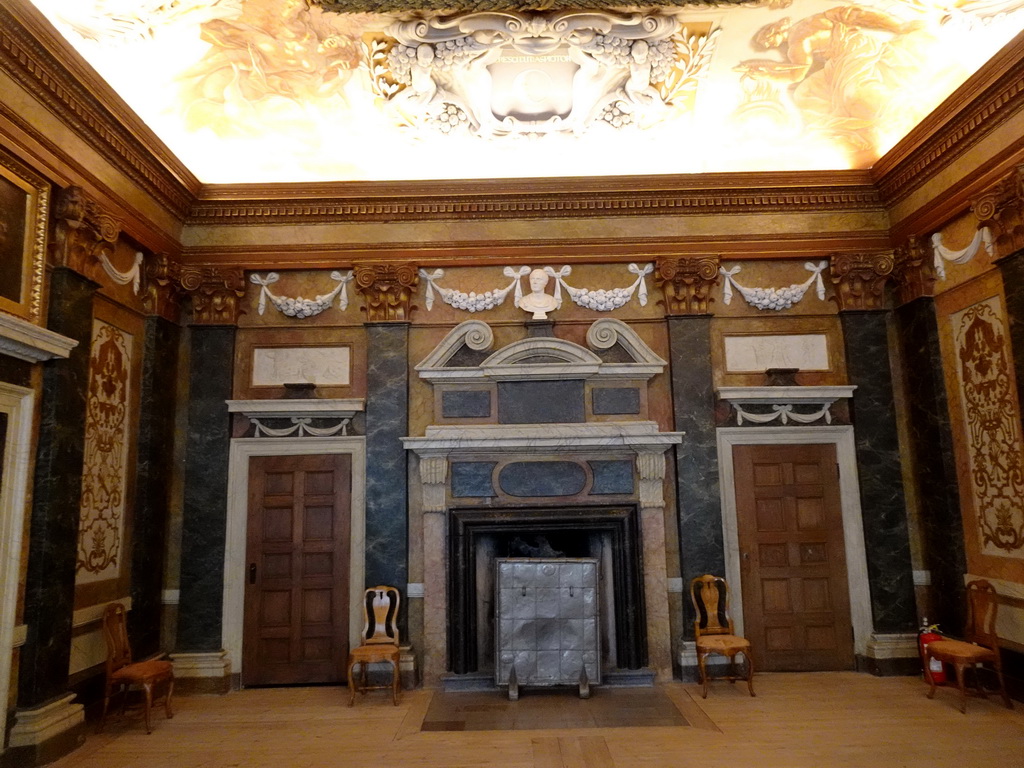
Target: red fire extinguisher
{"x":929,"y":634}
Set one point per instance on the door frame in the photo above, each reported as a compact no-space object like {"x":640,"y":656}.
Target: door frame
{"x":244,"y":448}
{"x":853,"y":523}
{"x":19,"y":405}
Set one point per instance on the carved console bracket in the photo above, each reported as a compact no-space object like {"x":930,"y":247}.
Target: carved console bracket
{"x":388,"y":290}
{"x":215,"y":293}
{"x":686,"y":282}
{"x":913,"y":272}
{"x":860,"y":279}
{"x":803,"y":405}
{"x":1001,"y":209}
{"x":86,"y":237}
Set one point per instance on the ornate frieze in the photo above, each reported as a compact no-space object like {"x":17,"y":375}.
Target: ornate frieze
{"x":686,"y":282}
{"x":387,"y":289}
{"x":1001,"y":209}
{"x":802,"y":405}
{"x":860,"y":279}
{"x":215,"y":293}
{"x":913,"y":274}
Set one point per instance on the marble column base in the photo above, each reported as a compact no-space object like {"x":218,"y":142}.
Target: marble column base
{"x":201,"y":672}
{"x":44,"y":733}
{"x":891,"y":654}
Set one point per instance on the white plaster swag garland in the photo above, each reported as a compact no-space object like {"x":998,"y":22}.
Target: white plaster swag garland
{"x":982,"y":237}
{"x":132,"y":276}
{"x":300,"y":307}
{"x":302,"y":426}
{"x":774,"y":298}
{"x":602,"y":300}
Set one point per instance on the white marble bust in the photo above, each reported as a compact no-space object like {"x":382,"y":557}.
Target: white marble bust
{"x":537,"y":301}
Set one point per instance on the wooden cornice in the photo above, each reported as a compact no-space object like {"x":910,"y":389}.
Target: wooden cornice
{"x":535,"y":198}
{"x":988,"y":98}
{"x":33,"y":55}
{"x":594,"y":250}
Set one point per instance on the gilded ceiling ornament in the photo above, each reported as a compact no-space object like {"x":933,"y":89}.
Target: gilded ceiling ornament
{"x":686,"y":282}
{"x":774,"y":298}
{"x":300,"y":307}
{"x":614,"y":70}
{"x":387,"y":289}
{"x":860,"y":279}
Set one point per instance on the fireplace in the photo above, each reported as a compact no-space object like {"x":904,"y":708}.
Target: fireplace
{"x":609,"y":534}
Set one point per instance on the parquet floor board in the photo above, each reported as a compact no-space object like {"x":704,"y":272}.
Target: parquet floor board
{"x":813,"y":720}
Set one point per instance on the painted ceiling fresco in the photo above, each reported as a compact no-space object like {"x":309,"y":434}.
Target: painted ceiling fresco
{"x":283,"y":91}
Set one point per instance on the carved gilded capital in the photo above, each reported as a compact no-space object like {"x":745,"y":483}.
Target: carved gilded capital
{"x":163,"y":292}
{"x":387,"y":289}
{"x":860,"y":279}
{"x":83,"y":232}
{"x":686,"y":282}
{"x":215,"y":293}
{"x":913,"y":272}
{"x":1001,"y":209}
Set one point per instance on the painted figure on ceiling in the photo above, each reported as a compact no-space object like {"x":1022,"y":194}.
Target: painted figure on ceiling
{"x":271,"y":52}
{"x":843,"y":66}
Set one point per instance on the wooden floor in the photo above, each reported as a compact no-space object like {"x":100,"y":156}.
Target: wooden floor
{"x":813,"y":720}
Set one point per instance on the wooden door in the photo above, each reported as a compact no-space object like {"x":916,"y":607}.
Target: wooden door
{"x":297,"y":570}
{"x":796,"y":599}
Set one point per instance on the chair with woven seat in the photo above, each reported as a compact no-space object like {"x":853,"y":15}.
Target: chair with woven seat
{"x":979,"y":646}
{"x":714,"y":630}
{"x":378,"y":641}
{"x":122,"y":675}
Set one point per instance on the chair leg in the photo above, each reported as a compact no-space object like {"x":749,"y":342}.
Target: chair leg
{"x":1002,"y":683}
{"x":351,"y":683}
{"x":148,"y":690}
{"x":959,"y":667}
{"x":750,"y":673}
{"x":928,"y":674}
{"x":103,"y":714}
{"x":396,"y":681}
{"x":703,"y":673}
{"x":167,"y":700}
{"x":977,"y":682}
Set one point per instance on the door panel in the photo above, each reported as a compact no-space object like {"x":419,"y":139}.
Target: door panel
{"x":796,"y":601}
{"x":297,"y":577}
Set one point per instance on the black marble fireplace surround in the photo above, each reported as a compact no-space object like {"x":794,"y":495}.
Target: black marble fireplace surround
{"x":539,"y":532}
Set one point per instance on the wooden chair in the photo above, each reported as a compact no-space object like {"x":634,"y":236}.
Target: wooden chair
{"x":713,"y":628}
{"x":980,"y":644}
{"x":379,"y":641}
{"x":123,"y":675}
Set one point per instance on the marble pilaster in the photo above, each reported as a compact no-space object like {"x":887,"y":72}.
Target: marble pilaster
{"x":152,"y":485}
{"x":931,"y":441}
{"x":1012,"y":270}
{"x":701,"y":544}
{"x":886,"y":535}
{"x":387,"y":422}
{"x":204,"y":512}
{"x":56,"y":497}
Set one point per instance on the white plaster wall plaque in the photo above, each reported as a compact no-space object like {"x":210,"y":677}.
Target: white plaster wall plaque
{"x":753,"y":354}
{"x":322,"y":366}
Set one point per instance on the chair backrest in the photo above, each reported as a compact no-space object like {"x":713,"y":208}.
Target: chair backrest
{"x":982,"y":604}
{"x":380,"y":616}
{"x":710,"y":596}
{"x":115,"y":632}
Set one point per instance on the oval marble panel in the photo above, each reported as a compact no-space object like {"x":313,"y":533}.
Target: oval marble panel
{"x":542,"y":478}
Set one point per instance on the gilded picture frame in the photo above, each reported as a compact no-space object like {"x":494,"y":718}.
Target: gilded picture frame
{"x":24,"y":206}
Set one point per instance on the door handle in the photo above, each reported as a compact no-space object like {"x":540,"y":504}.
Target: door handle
{"x":252,"y":573}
